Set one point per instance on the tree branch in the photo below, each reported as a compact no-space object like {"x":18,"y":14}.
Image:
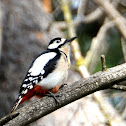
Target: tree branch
{"x":119,"y":87}
{"x":123,"y":45}
{"x":70,"y":93}
{"x":114,"y":15}
{"x":115,"y":86}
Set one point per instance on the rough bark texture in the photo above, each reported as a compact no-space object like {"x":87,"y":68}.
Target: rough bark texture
{"x":75,"y":91}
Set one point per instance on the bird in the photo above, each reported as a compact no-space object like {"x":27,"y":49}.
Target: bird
{"x":47,"y":73}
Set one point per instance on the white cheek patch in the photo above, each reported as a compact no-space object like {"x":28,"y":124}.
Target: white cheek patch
{"x":53,"y":45}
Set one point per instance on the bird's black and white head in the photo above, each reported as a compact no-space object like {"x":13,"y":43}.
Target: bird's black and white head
{"x":59,"y":42}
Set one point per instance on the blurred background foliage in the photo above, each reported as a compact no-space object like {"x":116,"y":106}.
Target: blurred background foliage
{"x":26,"y":28}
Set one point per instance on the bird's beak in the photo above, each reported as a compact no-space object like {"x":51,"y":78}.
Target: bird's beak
{"x":70,"y":40}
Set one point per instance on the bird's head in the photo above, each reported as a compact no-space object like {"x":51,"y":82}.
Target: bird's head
{"x":59,"y":42}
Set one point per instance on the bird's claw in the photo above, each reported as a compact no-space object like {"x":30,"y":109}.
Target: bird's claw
{"x":50,"y":94}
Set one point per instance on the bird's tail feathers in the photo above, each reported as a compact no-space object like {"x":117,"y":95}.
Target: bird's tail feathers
{"x":18,"y":101}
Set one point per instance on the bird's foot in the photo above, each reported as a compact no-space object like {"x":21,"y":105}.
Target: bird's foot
{"x":50,"y":94}
{"x":62,"y":86}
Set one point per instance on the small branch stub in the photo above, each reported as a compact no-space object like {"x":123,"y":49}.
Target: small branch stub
{"x":115,"y":86}
{"x":103,"y":62}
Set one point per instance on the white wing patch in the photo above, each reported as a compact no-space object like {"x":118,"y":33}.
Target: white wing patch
{"x":40,"y":63}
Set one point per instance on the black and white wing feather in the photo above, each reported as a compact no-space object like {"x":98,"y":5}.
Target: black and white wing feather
{"x":40,"y":68}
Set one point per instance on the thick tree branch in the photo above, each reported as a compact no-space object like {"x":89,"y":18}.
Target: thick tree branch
{"x":70,"y":93}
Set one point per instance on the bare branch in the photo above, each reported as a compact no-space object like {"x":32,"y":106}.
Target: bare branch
{"x":82,"y":7}
{"x":115,"y":86}
{"x":114,"y":15}
{"x":75,"y":91}
{"x":96,"y":45}
{"x":75,"y":46}
{"x":119,"y":87}
{"x":123,"y":44}
{"x":93,"y":16}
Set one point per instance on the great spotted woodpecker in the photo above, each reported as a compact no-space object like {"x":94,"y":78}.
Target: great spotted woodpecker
{"x":47,"y":72}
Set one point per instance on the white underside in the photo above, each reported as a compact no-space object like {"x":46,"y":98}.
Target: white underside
{"x":54,"y":79}
{"x":58,"y":76}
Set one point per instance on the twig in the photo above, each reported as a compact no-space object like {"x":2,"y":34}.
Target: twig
{"x":82,"y":7}
{"x":114,"y":15}
{"x":70,"y":93}
{"x":96,"y":46}
{"x":115,"y":86}
{"x":103,"y":62}
{"x":122,"y":2}
{"x":98,"y":42}
{"x":93,"y":16}
{"x":119,"y":87}
{"x":75,"y":46}
{"x":123,"y":44}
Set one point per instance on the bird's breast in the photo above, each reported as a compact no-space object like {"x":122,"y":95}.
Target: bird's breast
{"x":58,"y":76}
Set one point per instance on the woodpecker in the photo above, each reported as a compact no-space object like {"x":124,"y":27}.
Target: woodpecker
{"x":47,"y":72}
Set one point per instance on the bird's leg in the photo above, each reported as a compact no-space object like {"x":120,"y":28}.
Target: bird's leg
{"x":40,"y":91}
{"x":50,"y":94}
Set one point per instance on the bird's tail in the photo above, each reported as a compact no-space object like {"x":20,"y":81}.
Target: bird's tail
{"x":17,"y":102}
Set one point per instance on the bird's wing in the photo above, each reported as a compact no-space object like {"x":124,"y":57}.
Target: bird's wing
{"x":40,"y":68}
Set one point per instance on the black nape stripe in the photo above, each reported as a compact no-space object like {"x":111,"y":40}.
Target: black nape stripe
{"x":64,"y":54}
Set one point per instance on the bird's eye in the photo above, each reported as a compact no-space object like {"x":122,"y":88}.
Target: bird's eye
{"x":57,"y":41}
